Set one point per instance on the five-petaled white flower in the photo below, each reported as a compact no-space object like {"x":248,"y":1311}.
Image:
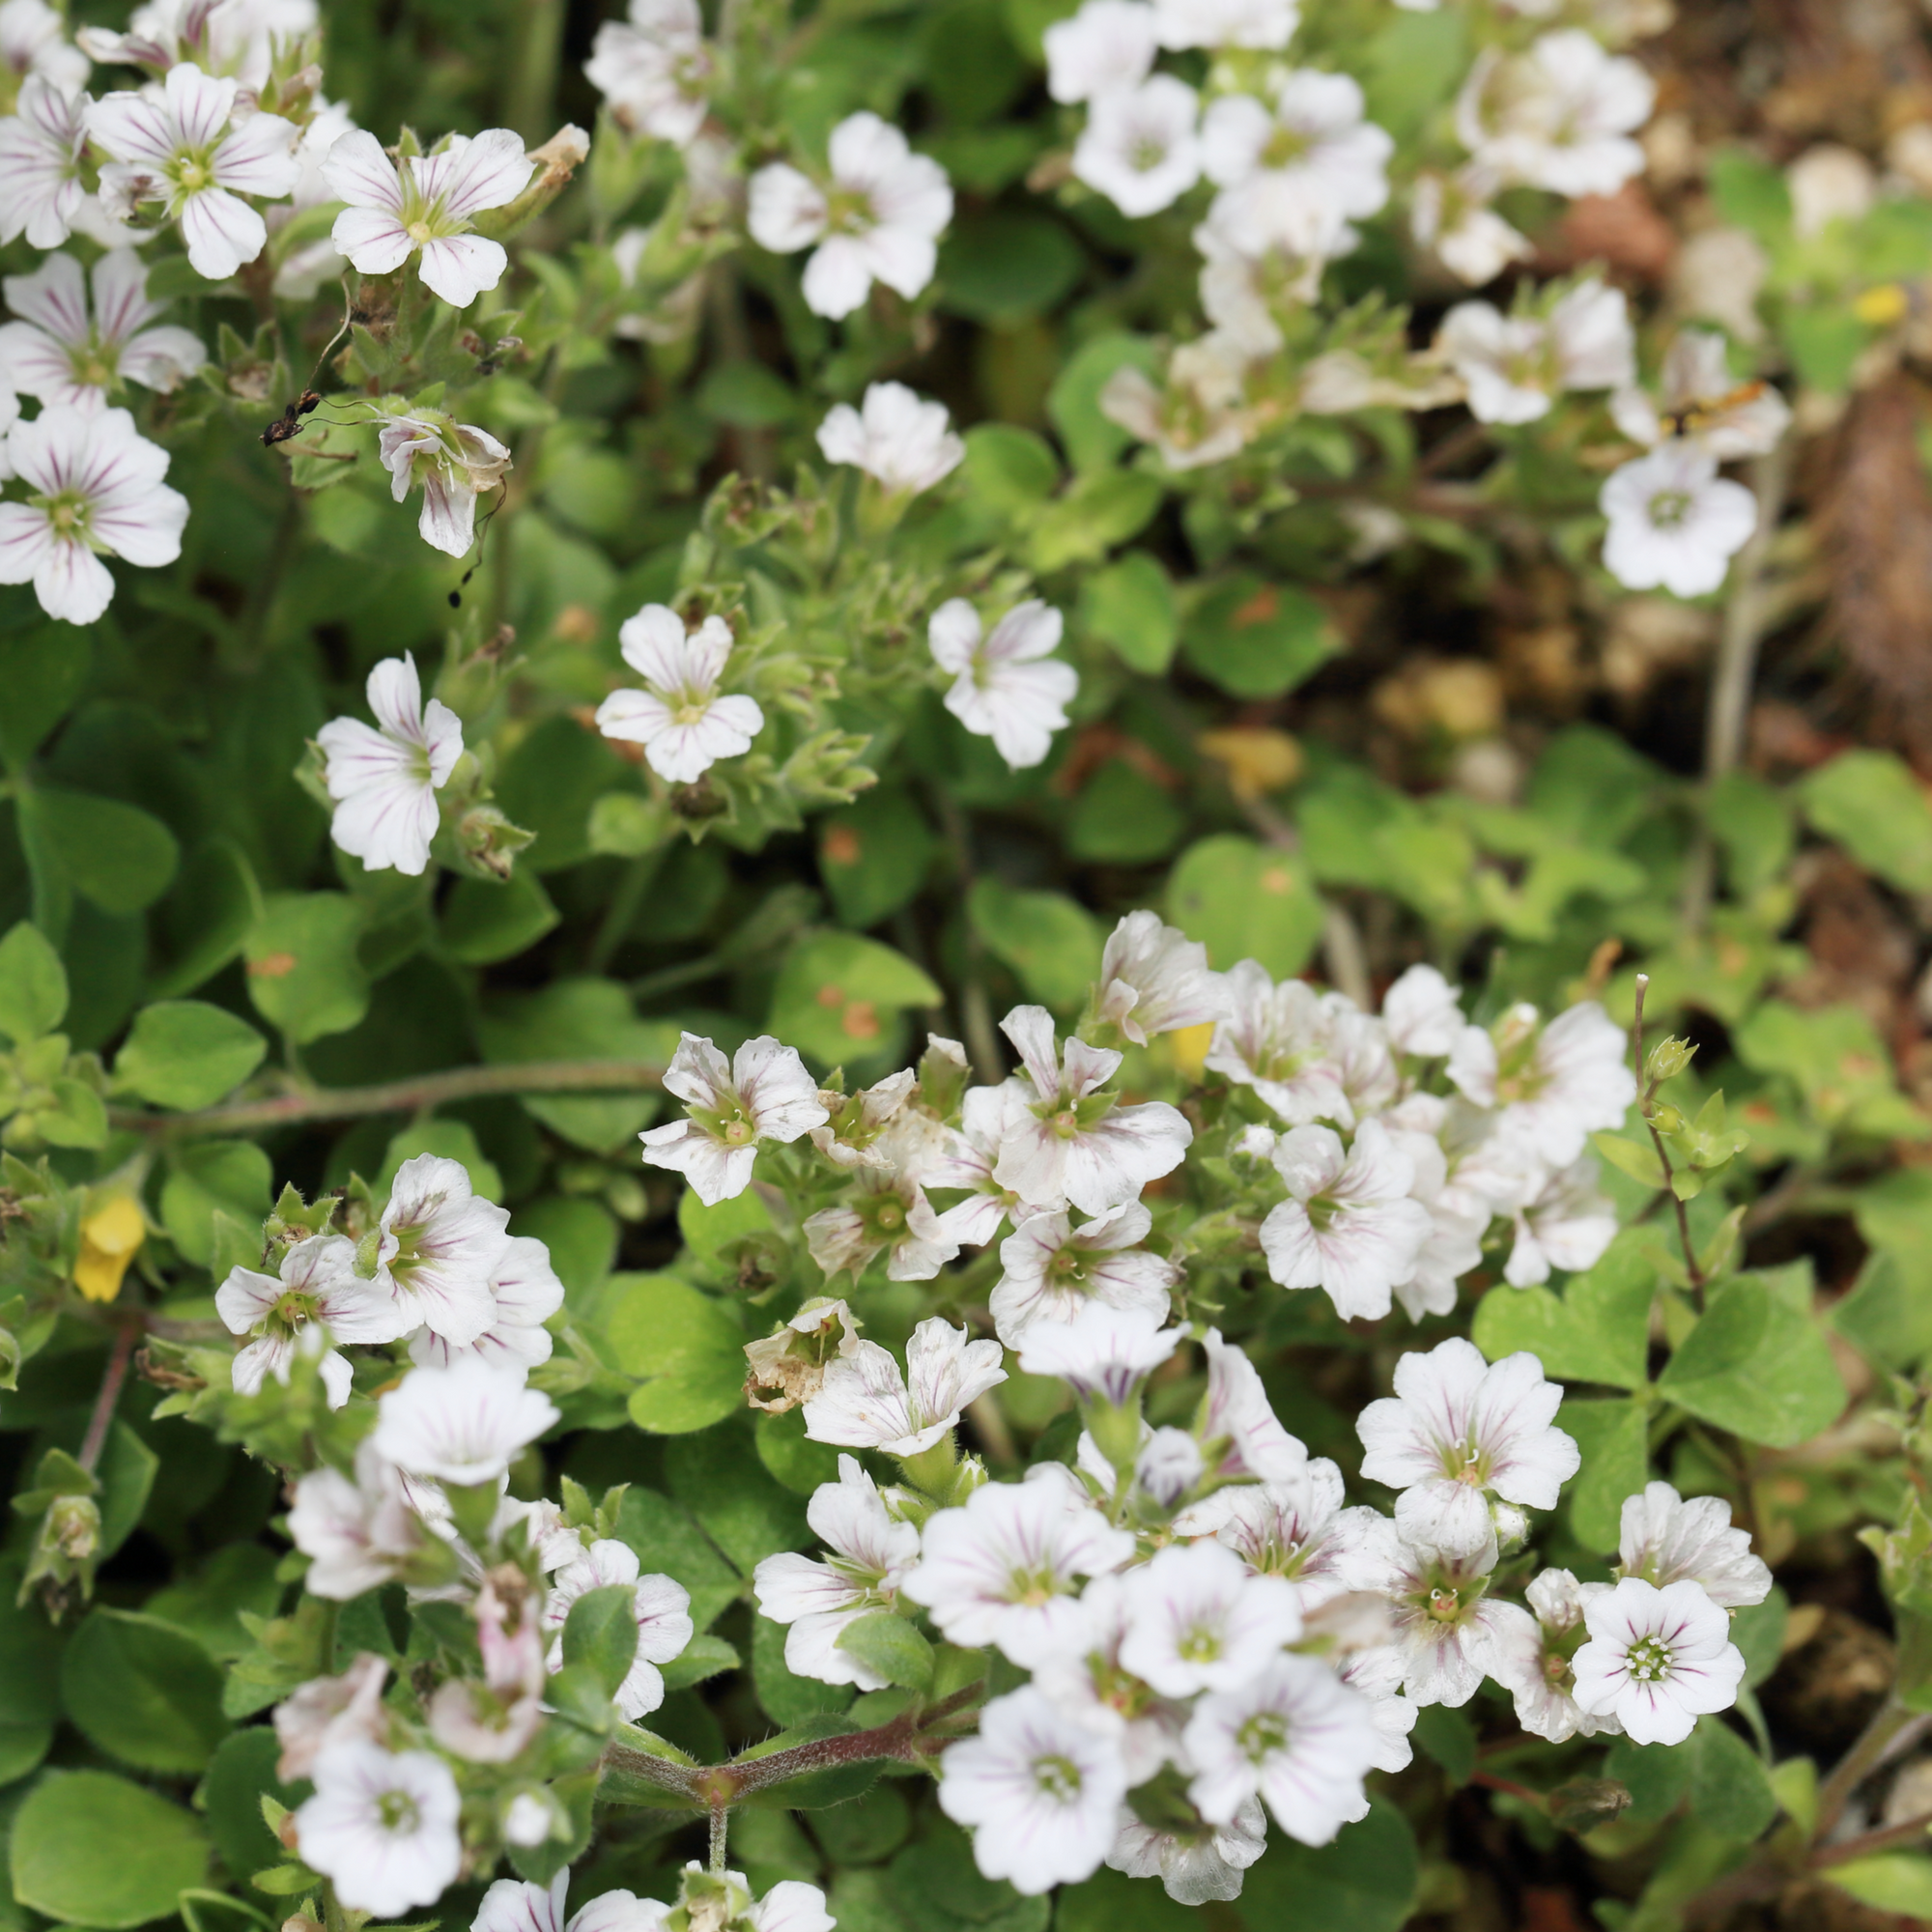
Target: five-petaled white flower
{"x":1107,"y":45}
{"x":357,"y":1534}
{"x":870,"y":1550}
{"x":40,"y":143}
{"x":1003,"y":1569}
{"x":439,"y":1247}
{"x":1657,"y":1660}
{"x":454,"y":462}
{"x":1534,"y":1662}
{"x":1289,"y":1528}
{"x":97,"y":492}
{"x":1349,"y":1225}
{"x":1198,"y":1619}
{"x":384,"y":778}
{"x":464,"y":1424}
{"x":679,"y":719}
{"x":1423,"y":1013}
{"x":34,"y":43}
{"x":1569,"y":1225}
{"x":1294,"y":1734}
{"x":885,"y":1214}
{"x":906,"y":445}
{"x":1236,"y":1424}
{"x":315,"y":1282}
{"x":1267,"y":24}
{"x":516,"y":1905}
{"x":1559,"y":116}
{"x":427,"y":206}
{"x":182,"y":145}
{"x":1192,"y":1866}
{"x":762,"y":1094}
{"x":1140,"y":147}
{"x":237,"y":38}
{"x":1053,"y":1270}
{"x":60,"y":353}
{"x":1514,"y":365}
{"x":1153,"y":979}
{"x":1004,"y":687}
{"x":879,"y":220}
{"x":1457,"y":1429}
{"x":1280,"y":1040}
{"x":865,"y":1402}
{"x":1674,"y":522}
{"x":654,"y":69}
{"x":1041,"y":1792}
{"x":526,"y":1292}
{"x":660,"y":1606}
{"x":382,"y":1826}
{"x":1103,"y":1354}
{"x":1075,"y":1143}
{"x":1553,"y":1085}
{"x":1666,"y":1539}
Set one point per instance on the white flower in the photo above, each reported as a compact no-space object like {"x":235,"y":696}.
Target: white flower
{"x":1198,"y":1619}
{"x":464,"y":1424}
{"x":762,"y":1094}
{"x":1559,"y":116}
{"x":1553,"y":1085}
{"x":1711,"y":408}
{"x":865,"y":1402}
{"x":1376,"y":1670}
{"x":41,"y":194}
{"x":1569,"y":1225}
{"x":1139,"y":147}
{"x":454,"y":462}
{"x":856,"y":1131}
{"x":383,"y":779}
{"x":1535,"y":1664}
{"x":1080,"y":1671}
{"x":1667,"y":1540}
{"x":329,"y":1711}
{"x":881,"y":1214}
{"x":1674,"y":522}
{"x":356,"y":1535}
{"x":679,"y":719}
{"x":439,"y":1247}
{"x":514,"y":1904}
{"x":304,"y":268}
{"x":1458,"y":1428}
{"x":654,"y":70}
{"x":1348,"y":1226}
{"x":1514,"y":365}
{"x":237,"y":38}
{"x":880,"y":220}
{"x":97,"y":491}
{"x":1657,"y":1660}
{"x":1452,"y":215}
{"x":1227,"y":23}
{"x":1236,"y":1423}
{"x":56,"y":352}
{"x":1454,"y":1244}
{"x":1294,"y":1734}
{"x":1103,"y":1354}
{"x":317,"y":1283}
{"x":987,"y":1115}
{"x":1041,"y":1791}
{"x":1423,"y":1013}
{"x":1076,"y":1143}
{"x":1201,"y":414}
{"x":907,"y":444}
{"x":1153,"y":979}
{"x":1000,"y":689}
{"x":1296,"y":172}
{"x":34,"y":44}
{"x":1108,"y":45}
{"x":1001,"y":1569}
{"x":1052,"y":1271}
{"x":382,"y":1826}
{"x":871,"y":1555}
{"x":1196,"y":1866}
{"x":1289,"y":1528}
{"x":526,"y":1292}
{"x":1279,"y":1039}
{"x":427,"y":206}
{"x":181,"y":145}
{"x":661,"y":1607}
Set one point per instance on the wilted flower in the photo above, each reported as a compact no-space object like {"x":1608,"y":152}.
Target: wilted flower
{"x":454,"y":462}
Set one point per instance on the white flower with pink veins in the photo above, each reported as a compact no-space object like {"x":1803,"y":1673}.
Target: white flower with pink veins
{"x":879,"y":222}
{"x":1535,"y":1662}
{"x":382,"y":1827}
{"x":236,"y":38}
{"x":1236,"y":1424}
{"x":1153,"y":979}
{"x":182,"y":146}
{"x":903,"y":443}
{"x":1193,"y":1867}
{"x":60,"y":353}
{"x":1198,"y":1619}
{"x":317,"y":1283}
{"x":384,"y":778}
{"x":1280,"y":1040}
{"x":679,"y":719}
{"x":865,"y":1402}
{"x":1668,"y":1540}
{"x":660,"y":1606}
{"x":454,"y":462}
{"x":1456,"y":1430}
{"x":428,"y":206}
{"x":40,"y":143}
{"x":1081,"y":1673}
{"x":1107,"y":45}
{"x":869,"y":1553}
{"x":654,"y":69}
{"x":1657,"y":1660}
{"x":1553,"y":1085}
{"x":526,"y":1292}
{"x":516,"y":1905}
{"x":331,"y":1711}
{"x":1075,"y":1143}
{"x":762,"y":1094}
{"x":358,"y":1534}
{"x":32,"y":41}
{"x":1139,"y":147}
{"x":1051,"y":1270}
{"x":1291,"y":1528}
{"x":1006,"y":686}
{"x":440,"y":1246}
{"x":464,"y":1424}
{"x":1102,"y":1354}
{"x":97,"y":492}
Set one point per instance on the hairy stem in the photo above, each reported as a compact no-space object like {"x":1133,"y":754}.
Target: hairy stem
{"x":111,"y":1382}
{"x":1877,"y":1742}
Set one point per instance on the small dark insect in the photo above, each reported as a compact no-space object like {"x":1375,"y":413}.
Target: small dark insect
{"x":1706,"y":410}
{"x":290,"y":423}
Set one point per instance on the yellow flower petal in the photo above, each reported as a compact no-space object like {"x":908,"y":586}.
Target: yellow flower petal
{"x":1190,"y":1048}
{"x":110,"y":1237}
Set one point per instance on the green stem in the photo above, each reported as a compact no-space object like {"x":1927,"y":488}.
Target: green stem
{"x":622,"y":910}
{"x":530,"y":88}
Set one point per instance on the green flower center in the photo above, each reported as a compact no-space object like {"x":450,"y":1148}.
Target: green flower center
{"x":1670,"y":508}
{"x":1057,"y":1777}
{"x":1262,"y":1735}
{"x":1648,"y":1661}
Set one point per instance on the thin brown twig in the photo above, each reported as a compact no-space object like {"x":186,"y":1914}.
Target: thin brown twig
{"x":112,"y":1380}
{"x":1907,"y":1831}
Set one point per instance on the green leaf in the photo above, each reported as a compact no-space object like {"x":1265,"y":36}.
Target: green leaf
{"x":1092,"y":441}
{"x":240,"y":1774}
{"x":1611,"y":1437}
{"x":601,"y":1633}
{"x":1001,"y":269}
{"x":1754,"y":1364}
{"x":549,"y":784}
{"x":668,"y":1540}
{"x":873,"y":856}
{"x":30,"y":1649}
{"x":452,"y":1139}
{"x":208,"y":1604}
{"x":1411,"y":68}
{"x":1011,"y":472}
{"x":686,"y":1346}
{"x":1758,"y":1631}
{"x":1246,"y":901}
{"x":1730,"y":1788}
{"x":1655,"y":1775}
{"x":185,"y":1053}
{"x":1450,"y":1738}
{"x":889,"y":1647}
{"x":42,"y":671}
{"x":92,"y":1849}
{"x":484,"y":921}
{"x":1871,"y":804}
{"x":1753,"y":822}
{"x":703,"y":1657}
{"x":143,"y":1691}
{"x":1635,"y":1158}
{"x":1599,"y":1331}
{"x":33,"y":985}
{"x":1097,"y":513}
{"x":118,"y":856}
{"x":1898,"y":1882}
{"x":750,"y":1517}
{"x":836,"y":992}
{"x":128,"y":1469}
{"x":1887,"y":1316}
{"x":1364,"y":1881}
{"x":1129,"y":606}
{"x":210,"y":1178}
{"x":1049,"y":940}
{"x":800,"y":1464}
{"x":205,"y":915}
{"x":1255,"y":639}
{"x":1122,"y":817}
{"x":1107,"y":1902}
{"x":304,"y":973}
